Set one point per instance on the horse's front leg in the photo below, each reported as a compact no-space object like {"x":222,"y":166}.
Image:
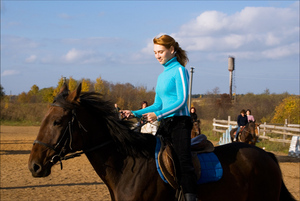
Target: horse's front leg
{"x":141,"y":182}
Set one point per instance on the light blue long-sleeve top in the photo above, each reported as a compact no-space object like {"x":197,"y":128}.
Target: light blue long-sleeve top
{"x":171,"y":92}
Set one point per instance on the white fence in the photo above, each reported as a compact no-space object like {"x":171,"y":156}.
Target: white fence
{"x":265,"y":130}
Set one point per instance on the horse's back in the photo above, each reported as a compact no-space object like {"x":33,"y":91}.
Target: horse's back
{"x":249,"y":173}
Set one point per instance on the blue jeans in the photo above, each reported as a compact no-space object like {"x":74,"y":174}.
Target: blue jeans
{"x":237,"y":133}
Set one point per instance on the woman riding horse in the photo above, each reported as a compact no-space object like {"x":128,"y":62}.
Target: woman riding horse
{"x":170,"y":107}
{"x":83,"y":123}
{"x":241,"y":122}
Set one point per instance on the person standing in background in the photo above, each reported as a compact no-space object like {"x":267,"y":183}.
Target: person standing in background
{"x":193,"y":114}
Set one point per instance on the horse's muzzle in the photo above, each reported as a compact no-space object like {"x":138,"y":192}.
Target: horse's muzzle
{"x":38,"y":170}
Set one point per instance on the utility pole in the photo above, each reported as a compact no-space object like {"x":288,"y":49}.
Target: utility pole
{"x":190,"y":88}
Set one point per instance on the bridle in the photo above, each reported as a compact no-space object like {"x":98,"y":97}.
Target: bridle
{"x":249,"y":132}
{"x":68,"y":136}
{"x":196,"y":128}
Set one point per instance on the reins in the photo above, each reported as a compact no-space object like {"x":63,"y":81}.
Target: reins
{"x":59,"y":157}
{"x":248,"y":128}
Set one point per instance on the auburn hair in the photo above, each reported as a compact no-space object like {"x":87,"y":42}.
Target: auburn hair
{"x":167,"y":41}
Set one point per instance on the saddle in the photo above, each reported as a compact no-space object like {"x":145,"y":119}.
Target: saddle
{"x":239,"y":131}
{"x":167,"y":164}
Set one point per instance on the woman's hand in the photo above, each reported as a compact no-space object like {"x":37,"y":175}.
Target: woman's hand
{"x":151,"y":117}
{"x":127,"y":113}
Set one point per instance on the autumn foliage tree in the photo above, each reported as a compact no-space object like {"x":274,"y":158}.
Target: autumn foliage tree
{"x":86,"y":84}
{"x":47,"y":94}
{"x":24,"y":98}
{"x":101,"y":87}
{"x":72,"y":84}
{"x":265,"y":107}
{"x":60,"y":84}
{"x":288,"y":109}
{"x":34,"y":89}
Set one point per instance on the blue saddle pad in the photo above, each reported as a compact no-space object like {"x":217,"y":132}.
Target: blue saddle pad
{"x":157,"y":148}
{"x":211,"y":169}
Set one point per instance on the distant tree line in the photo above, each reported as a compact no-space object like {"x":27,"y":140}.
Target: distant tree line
{"x":31,"y":106}
{"x":265,"y":107}
{"x":125,"y":95}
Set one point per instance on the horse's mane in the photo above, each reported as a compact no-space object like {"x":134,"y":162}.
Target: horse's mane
{"x":250,"y":123}
{"x":127,"y":141}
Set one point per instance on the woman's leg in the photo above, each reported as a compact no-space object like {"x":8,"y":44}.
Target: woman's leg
{"x":178,"y":131}
{"x":181,"y":138}
{"x":237,"y":134}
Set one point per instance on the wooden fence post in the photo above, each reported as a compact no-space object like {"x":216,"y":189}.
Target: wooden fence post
{"x":285,"y":125}
{"x":214,"y":128}
{"x":228,"y":121}
{"x":264,"y":134}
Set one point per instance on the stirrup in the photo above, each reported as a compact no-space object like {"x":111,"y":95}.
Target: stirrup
{"x":190,"y":197}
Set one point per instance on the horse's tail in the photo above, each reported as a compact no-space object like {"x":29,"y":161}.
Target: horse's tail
{"x":285,"y":195}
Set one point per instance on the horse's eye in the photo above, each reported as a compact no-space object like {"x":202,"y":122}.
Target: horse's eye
{"x":56,"y":122}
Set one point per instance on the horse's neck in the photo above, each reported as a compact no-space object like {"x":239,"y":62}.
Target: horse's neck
{"x":107,"y":162}
{"x":117,"y":171}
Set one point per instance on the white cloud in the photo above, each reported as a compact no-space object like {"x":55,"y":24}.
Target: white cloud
{"x":31,"y":59}
{"x":281,"y":51}
{"x":76,"y":55}
{"x":72,"y":55}
{"x":266,"y":32}
{"x":258,"y":29}
{"x":10,"y":72}
{"x":149,"y":49}
{"x":207,"y":23}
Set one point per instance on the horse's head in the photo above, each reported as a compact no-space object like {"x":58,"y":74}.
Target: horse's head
{"x":82,"y":121}
{"x":196,"y":124}
{"x":59,"y":130}
{"x":250,"y":131}
{"x":195,"y":129}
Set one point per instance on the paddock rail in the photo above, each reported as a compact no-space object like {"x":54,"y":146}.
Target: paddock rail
{"x":271,"y":132}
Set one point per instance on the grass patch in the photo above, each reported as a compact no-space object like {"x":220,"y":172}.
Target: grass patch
{"x":274,"y":146}
{"x":20,"y":123}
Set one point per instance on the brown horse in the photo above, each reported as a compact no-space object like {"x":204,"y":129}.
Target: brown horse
{"x":78,"y":123}
{"x":196,"y":129}
{"x":246,"y":134}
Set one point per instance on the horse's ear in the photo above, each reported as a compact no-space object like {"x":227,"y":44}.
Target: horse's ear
{"x":64,"y":89}
{"x":75,"y":95}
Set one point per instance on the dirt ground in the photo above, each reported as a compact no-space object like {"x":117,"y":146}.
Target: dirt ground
{"x":77,"y":180}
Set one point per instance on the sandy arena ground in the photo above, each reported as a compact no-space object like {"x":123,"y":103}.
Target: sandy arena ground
{"x":77,"y":180}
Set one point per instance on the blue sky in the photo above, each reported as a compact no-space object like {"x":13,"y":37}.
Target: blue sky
{"x":44,"y":40}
